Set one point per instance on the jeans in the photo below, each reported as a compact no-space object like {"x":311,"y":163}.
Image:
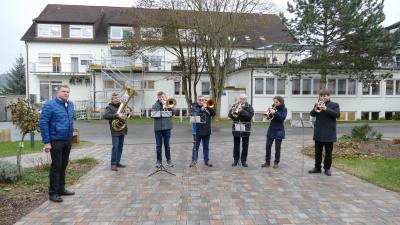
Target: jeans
{"x":328,"y":154}
{"x":206,"y":149}
{"x":236,"y":148}
{"x":117,"y":147}
{"x":160,"y":135}
{"x":268,"y":147}
{"x":59,"y":161}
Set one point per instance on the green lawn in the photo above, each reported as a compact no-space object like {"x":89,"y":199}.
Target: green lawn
{"x":39,"y":177}
{"x":382,"y":172}
{"x":10,"y":148}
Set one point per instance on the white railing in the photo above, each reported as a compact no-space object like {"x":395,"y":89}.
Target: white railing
{"x":36,"y":67}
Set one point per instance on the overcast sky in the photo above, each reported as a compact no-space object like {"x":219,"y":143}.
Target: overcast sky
{"x":16,"y":17}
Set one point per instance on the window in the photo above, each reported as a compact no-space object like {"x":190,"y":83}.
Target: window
{"x":44,"y":92}
{"x":177,"y":87}
{"x":109,"y":84}
{"x":155,"y":61}
{"x":270,"y":86}
{"x":259,"y":86}
{"x":280,"y":87}
{"x":295,"y":115}
{"x":341,"y":86}
{"x":205,"y":88}
{"x":352,"y":87}
{"x":49,"y":30}
{"x":375,"y":87}
{"x":44,"y":60}
{"x":187,"y":35}
{"x":86,"y":62}
{"x":296,"y":86}
{"x":351,"y":115}
{"x":151,"y":33}
{"x":48,"y":90}
{"x":121,"y":33}
{"x":397,"y":92}
{"x":306,"y":86}
{"x":81,"y":31}
{"x":316,"y":86}
{"x":364,"y":115}
{"x":389,"y":87}
{"x":332,"y":85}
{"x":148,"y":84}
{"x":374,"y":115}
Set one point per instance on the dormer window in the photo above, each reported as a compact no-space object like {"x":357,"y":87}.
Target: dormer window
{"x":247,"y":38}
{"x":187,"y":35}
{"x":121,"y":33}
{"x":151,"y":33}
{"x":48,"y":30}
{"x":81,"y":31}
{"x":262,"y":38}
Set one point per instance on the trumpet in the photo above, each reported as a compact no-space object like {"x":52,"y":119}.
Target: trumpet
{"x":236,"y":110}
{"x":211,"y":103}
{"x":318,"y":106}
{"x":268,"y":114}
{"x":169,"y":103}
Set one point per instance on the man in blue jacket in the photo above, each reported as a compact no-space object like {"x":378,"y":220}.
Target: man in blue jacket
{"x":57,"y":127}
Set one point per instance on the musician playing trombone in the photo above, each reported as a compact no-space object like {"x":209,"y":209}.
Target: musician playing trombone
{"x":241,"y":114}
{"x":162,"y":127}
{"x":276,"y":130}
{"x":326,"y":113}
{"x":202,"y":131}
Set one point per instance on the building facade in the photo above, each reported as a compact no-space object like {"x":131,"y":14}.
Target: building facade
{"x":80,"y":46}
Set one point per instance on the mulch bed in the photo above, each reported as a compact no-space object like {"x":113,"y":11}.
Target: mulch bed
{"x":19,"y":202}
{"x":356,"y":149}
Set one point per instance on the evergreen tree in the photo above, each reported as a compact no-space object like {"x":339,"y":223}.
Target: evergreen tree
{"x":16,"y":79}
{"x":345,"y":36}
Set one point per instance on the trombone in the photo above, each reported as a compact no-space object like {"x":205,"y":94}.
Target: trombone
{"x":169,"y":103}
{"x":268,"y":114}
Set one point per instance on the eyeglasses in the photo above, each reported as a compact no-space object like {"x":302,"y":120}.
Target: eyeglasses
{"x":201,"y":99}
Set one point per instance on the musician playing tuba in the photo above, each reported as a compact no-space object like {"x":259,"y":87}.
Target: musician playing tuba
{"x":114,"y":117}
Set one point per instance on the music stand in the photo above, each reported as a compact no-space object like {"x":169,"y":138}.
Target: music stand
{"x":241,"y":127}
{"x":156,"y":114}
{"x":297,"y":124}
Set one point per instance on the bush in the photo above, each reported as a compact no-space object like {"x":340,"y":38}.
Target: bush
{"x":378,"y":136}
{"x":344,"y":138}
{"x":363,"y":132}
{"x":396,"y":141}
{"x":9,"y":172}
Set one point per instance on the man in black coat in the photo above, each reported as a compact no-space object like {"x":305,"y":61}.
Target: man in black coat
{"x":202,"y":130}
{"x":326,"y":113}
{"x":241,"y":129}
{"x":117,"y":136}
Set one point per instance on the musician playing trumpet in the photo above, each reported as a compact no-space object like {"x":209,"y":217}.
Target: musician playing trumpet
{"x":162,"y":126}
{"x":241,"y":114}
{"x":276,"y":131}
{"x":326,"y":112}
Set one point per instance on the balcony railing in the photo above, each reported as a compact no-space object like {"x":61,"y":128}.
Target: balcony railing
{"x":57,"y":68}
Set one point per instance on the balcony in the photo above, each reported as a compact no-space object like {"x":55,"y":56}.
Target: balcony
{"x":57,"y":68}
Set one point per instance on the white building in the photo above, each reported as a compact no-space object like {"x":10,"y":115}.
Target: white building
{"x":80,"y":46}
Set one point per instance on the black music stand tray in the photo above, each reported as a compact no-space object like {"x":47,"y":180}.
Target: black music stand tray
{"x":160,"y":169}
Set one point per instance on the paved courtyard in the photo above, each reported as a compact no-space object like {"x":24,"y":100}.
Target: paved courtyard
{"x":217,"y":195}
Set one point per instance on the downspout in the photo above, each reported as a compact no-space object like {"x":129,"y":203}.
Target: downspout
{"x":251,"y":88}
{"x":27,"y":73}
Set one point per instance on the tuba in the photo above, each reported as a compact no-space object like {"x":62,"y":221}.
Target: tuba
{"x":119,"y":124}
{"x":236,"y":110}
{"x":268,"y":115}
{"x":211,"y":103}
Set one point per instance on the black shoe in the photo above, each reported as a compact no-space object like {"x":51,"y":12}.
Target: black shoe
{"x":66,"y":192}
{"x":244,"y":164}
{"x":234,"y":163}
{"x":55,"y":198}
{"x":208,"y":164}
{"x":315,"y":170}
{"x":328,"y":172}
{"x":121,"y":165}
{"x":170,"y":164}
{"x":193,"y":164}
{"x":266,"y":164}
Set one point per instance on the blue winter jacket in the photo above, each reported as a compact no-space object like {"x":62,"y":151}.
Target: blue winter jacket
{"x":57,"y":121}
{"x":276,"y":129}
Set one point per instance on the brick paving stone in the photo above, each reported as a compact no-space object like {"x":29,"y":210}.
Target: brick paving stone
{"x":217,"y":195}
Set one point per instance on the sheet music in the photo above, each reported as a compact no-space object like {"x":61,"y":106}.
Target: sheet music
{"x":300,"y":123}
{"x":161,"y":114}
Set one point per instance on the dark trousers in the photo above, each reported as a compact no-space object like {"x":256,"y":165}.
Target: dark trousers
{"x":236,"y":148}
{"x":117,"y":147}
{"x":206,"y":141}
{"x":268,"y":147}
{"x":160,"y":136}
{"x":59,"y":160}
{"x":328,"y":154}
